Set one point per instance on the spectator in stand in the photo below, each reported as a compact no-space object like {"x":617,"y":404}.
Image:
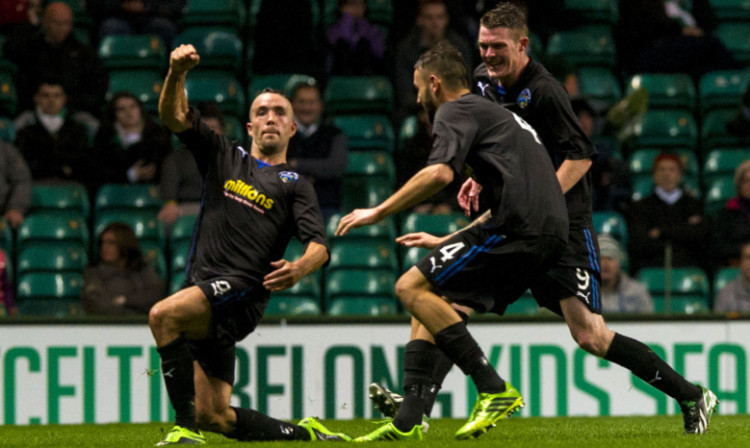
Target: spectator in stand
{"x":431,"y":28}
{"x":18,"y":14}
{"x":15,"y":185}
{"x":52,"y":51}
{"x":356,"y":46}
{"x":735,"y":295}
{"x":120,"y":282}
{"x":319,"y":149}
{"x":130,"y":146}
{"x":54,"y":145}
{"x":669,"y":217}
{"x":620,"y":292}
{"x":181,"y":184}
{"x":732,"y":224}
{"x":7,"y":301}
{"x":662,"y":36}
{"x":157,"y":17}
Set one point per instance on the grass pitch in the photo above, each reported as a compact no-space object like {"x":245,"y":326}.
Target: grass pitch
{"x":573,"y":432}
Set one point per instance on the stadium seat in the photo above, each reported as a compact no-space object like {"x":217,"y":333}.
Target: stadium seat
{"x":410,"y":257}
{"x":689,"y":304}
{"x":592,"y":11}
{"x":584,"y":48}
{"x":227,"y":13}
{"x":176,"y":282}
{"x":666,"y":129}
{"x":359,"y":284}
{"x":145,"y":224}
{"x":685,"y":281}
{"x":723,"y":162}
{"x":219,"y":49}
{"x":406,"y":131}
{"x":611,"y":223}
{"x":358,"y":192}
{"x":66,"y":199}
{"x":665,"y":90}
{"x":144,"y":84}
{"x":371,"y":163}
{"x":52,"y":258}
{"x":308,"y":288}
{"x":599,"y":84}
{"x":525,"y":306}
{"x":57,"y":308}
{"x":133,"y":52}
{"x":8,"y":95}
{"x":7,"y":130}
{"x":724,"y":276}
{"x":182,"y":230}
{"x":236,"y":129}
{"x":358,"y":95}
{"x":48,"y":285}
{"x":126,"y":197}
{"x":362,"y":254}
{"x":722,"y":89}
{"x":44,"y":229}
{"x":731,"y":10}
{"x":736,"y":37}
{"x":367,"y":132}
{"x":179,"y":259}
{"x":154,"y":256}
{"x":362,"y":307}
{"x":435,"y":224}
{"x":714,"y":131}
{"x":220,"y":87}
{"x":718,"y":191}
{"x":383,"y":231}
{"x":642,"y":185}
{"x":641,"y":161}
{"x":280,"y":81}
{"x":291,"y":306}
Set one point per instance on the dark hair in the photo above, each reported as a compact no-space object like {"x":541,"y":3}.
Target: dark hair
{"x":309,"y":84}
{"x":210,"y":109}
{"x":127,"y":245}
{"x":111,"y":117}
{"x":506,"y":15}
{"x":270,"y":90}
{"x":50,"y":81}
{"x":445,"y":61}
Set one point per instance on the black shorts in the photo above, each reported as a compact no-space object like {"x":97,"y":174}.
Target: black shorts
{"x":237,"y":306}
{"x":486,"y":271}
{"x":576,"y":273}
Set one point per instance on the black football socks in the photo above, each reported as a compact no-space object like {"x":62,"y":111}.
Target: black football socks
{"x":253,"y":426}
{"x":461,"y":348}
{"x":418,"y":388}
{"x":177,"y":370}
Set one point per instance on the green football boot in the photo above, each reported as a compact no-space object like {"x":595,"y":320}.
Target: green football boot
{"x":182,"y":436}
{"x":320,"y":432}
{"x":388,"y":432}
{"x":697,"y":414}
{"x":488,"y":410}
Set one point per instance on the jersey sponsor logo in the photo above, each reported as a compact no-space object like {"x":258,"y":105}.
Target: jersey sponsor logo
{"x":524,"y":98}
{"x":482,"y":86}
{"x":584,"y":282}
{"x":249,"y":192}
{"x":288,"y":176}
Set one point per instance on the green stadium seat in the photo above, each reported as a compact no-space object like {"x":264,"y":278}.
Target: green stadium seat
{"x":362,"y":307}
{"x":718,"y":191}
{"x":724,"y":276}
{"x":44,"y":229}
{"x":362,"y":254}
{"x":154,"y":256}
{"x":145,"y":224}
{"x":383,"y":231}
{"x":144,"y":84}
{"x":236,"y":128}
{"x":599,"y":84}
{"x":525,"y":306}
{"x":280,"y":81}
{"x":126,"y":197}
{"x":182,"y":230}
{"x":179,"y":258}
{"x":8,"y":95}
{"x":411,"y":256}
{"x":406,"y":131}
{"x":358,"y":95}
{"x":722,"y":89}
{"x":643,"y":185}
{"x":308,"y":289}
{"x":176,"y":282}
{"x":611,"y":223}
{"x":685,"y":281}
{"x":367,"y":132}
{"x":53,"y":258}
{"x":359,"y":192}
{"x":592,"y":11}
{"x":57,"y":308}
{"x":666,"y":129}
{"x":731,"y":10}
{"x":665,"y":90}
{"x":359,"y":284}
{"x":681,"y":305}
{"x":291,"y":306}
{"x":219,"y":49}
{"x":371,"y":163}
{"x":723,"y":162}
{"x":133,"y":52}
{"x":434,"y":224}
{"x":50,"y":286}
{"x":584,"y":47}
{"x":714,"y":131}
{"x":227,"y":13}
{"x":736,"y":37}
{"x":220,"y":87}
{"x":641,"y":161}
{"x":7,"y":130}
{"x":67,"y":199}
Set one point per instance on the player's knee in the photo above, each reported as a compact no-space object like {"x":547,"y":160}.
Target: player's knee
{"x":160,"y":316}
{"x":590,"y":341}
{"x":405,"y":292}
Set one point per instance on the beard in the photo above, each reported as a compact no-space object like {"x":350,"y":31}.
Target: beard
{"x":429,"y":106}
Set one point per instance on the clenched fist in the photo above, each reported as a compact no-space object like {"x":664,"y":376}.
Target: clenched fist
{"x":183,"y":59}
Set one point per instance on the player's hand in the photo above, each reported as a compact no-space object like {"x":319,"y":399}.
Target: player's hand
{"x":357,"y":218}
{"x":420,"y":239}
{"x":183,"y":58}
{"x":468,"y":196}
{"x":169,"y":213}
{"x":285,"y":275}
{"x":14,"y":217}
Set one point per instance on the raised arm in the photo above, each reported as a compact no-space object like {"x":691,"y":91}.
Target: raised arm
{"x":173,"y":104}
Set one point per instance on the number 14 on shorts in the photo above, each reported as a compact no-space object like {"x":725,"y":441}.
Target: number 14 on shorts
{"x":448,"y":253}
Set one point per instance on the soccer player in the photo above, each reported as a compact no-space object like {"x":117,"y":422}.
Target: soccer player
{"x":252,"y":205}
{"x":487,"y":265}
{"x":509,"y":77}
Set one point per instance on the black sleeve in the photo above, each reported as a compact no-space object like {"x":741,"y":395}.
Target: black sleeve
{"x":202,"y":142}
{"x":306,"y":215}
{"x":455,"y":130}
{"x":561,"y":124}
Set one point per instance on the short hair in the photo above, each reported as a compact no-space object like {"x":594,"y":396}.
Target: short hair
{"x":127,"y":245}
{"x":50,"y":81}
{"x":742,"y":169}
{"x":667,"y":156}
{"x":111,"y":108}
{"x":506,"y":15}
{"x":270,"y":90}
{"x":210,"y":109}
{"x":445,"y":61}
{"x":311,"y":83}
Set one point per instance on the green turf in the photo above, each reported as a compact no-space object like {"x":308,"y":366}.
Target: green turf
{"x":579,"y":432}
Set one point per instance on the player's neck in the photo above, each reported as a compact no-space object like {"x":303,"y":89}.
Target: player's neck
{"x":451,"y":95}
{"x":270,"y":159}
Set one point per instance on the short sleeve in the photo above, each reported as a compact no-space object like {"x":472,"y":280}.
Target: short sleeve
{"x":455,"y":130}
{"x":307,"y":217}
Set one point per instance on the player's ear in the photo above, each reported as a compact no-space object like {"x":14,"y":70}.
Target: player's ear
{"x":523,"y":43}
{"x":249,"y":126}
{"x":294,"y":129}
{"x":434,"y":84}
